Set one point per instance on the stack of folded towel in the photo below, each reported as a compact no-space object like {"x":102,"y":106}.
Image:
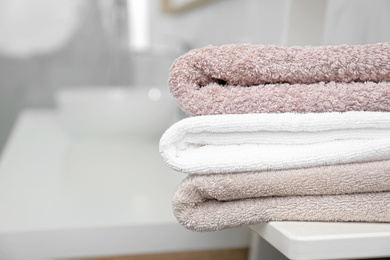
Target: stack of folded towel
{"x":300,"y":133}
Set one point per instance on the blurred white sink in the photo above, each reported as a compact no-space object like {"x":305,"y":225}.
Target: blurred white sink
{"x":108,"y":111}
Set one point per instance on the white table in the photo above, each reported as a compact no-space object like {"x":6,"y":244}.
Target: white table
{"x":318,"y":240}
{"x":64,"y":197}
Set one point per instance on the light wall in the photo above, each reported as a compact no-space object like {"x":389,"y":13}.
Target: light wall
{"x":357,"y":22}
{"x":92,"y":58}
{"x":222,"y":22}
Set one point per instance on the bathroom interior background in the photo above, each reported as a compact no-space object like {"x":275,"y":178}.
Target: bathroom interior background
{"x":93,"y":49}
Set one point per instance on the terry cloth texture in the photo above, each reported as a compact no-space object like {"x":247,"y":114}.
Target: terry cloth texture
{"x":349,"y":192}
{"x":236,"y":79}
{"x":253,"y":142}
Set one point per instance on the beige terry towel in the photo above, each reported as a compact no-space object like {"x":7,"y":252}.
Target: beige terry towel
{"x":348,"y":192}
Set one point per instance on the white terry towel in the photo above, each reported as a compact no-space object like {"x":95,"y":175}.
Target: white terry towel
{"x":253,"y":142}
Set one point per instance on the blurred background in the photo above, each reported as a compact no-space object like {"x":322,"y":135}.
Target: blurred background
{"x":48,"y":45}
{"x":75,"y":56}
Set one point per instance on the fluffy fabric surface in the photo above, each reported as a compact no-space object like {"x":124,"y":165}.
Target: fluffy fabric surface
{"x":253,"y":142}
{"x":235,"y":79}
{"x":349,"y":192}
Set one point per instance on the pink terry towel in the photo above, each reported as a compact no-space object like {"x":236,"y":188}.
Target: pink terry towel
{"x":350,"y":192}
{"x":236,"y":79}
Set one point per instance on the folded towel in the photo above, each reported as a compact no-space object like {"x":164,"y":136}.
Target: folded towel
{"x":348,"y":192}
{"x":236,"y":79}
{"x":253,"y":142}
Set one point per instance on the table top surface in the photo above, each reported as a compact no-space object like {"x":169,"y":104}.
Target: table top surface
{"x":63,"y":196}
{"x":327,"y":230}
{"x":50,"y":179}
{"x":327,"y":240}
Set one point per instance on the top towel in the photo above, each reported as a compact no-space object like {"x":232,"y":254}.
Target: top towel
{"x":208,"y":80}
